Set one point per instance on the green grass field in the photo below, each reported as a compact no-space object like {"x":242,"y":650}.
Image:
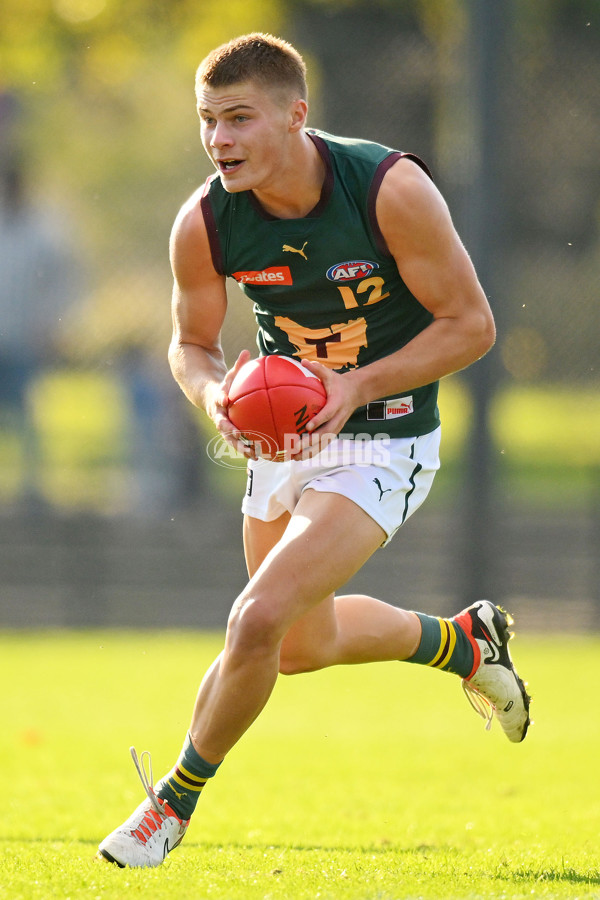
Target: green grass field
{"x":366,"y":782}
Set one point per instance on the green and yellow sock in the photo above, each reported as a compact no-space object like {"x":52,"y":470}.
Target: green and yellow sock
{"x":444,"y":645}
{"x":182,"y":786}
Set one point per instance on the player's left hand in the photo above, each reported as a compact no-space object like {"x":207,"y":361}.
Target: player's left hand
{"x":327,"y":424}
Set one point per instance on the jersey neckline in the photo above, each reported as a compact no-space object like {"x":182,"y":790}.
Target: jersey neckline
{"x":326,"y":187}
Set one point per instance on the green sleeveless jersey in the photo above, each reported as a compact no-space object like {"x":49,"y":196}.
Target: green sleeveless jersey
{"x":325,"y":287}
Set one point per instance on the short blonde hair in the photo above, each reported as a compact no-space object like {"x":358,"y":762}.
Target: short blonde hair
{"x":263,"y":58}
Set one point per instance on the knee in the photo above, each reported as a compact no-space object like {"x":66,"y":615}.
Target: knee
{"x":254,"y":626}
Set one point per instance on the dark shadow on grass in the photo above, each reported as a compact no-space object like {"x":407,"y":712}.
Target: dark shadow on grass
{"x":565,"y":875}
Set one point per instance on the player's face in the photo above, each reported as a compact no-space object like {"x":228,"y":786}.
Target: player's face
{"x":245,"y":130}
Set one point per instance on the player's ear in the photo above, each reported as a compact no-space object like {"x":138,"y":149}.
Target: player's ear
{"x":298,"y":114}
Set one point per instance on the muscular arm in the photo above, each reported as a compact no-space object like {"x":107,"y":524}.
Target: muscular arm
{"x":435,"y":266}
{"x":198,"y":307}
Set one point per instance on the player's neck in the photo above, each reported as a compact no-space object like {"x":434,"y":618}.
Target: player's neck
{"x":298,"y":190}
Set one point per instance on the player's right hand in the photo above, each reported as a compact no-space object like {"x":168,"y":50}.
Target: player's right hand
{"x":224,"y":425}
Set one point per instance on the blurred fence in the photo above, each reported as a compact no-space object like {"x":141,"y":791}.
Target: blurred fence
{"x":80,"y":569}
{"x":111,"y":511}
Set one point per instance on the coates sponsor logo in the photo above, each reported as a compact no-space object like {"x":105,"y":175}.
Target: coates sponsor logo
{"x":274,"y":275}
{"x":351,"y":270}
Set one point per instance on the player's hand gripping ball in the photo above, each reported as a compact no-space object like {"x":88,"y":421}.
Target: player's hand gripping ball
{"x":271,"y":401}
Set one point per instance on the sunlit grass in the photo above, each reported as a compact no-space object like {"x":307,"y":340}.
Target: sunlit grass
{"x":365,"y":782}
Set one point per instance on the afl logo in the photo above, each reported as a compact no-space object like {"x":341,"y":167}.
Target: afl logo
{"x":351,"y":270}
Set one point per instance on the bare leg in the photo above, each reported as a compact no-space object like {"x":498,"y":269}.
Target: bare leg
{"x":349,"y":629}
{"x":353,"y":628}
{"x":325,"y":542}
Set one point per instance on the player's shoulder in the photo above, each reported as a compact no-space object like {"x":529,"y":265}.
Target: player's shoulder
{"x":189,"y":235}
{"x":407,"y":184}
{"x":190,"y":215}
{"x":352,"y":148}
{"x":410,"y":209}
{"x":190,"y":225}
{"x":376,"y":162}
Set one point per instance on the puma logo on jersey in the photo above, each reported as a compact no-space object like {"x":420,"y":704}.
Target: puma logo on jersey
{"x":184,"y":794}
{"x":288,"y":249}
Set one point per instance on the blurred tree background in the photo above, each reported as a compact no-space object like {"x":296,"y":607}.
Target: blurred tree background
{"x":105,"y":123}
{"x":97,"y":111}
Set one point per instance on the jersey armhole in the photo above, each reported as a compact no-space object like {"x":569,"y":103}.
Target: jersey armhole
{"x":380,"y":172}
{"x":211,"y":227}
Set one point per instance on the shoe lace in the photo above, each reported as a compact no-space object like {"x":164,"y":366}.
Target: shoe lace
{"x":480,"y":704}
{"x":143,"y":765}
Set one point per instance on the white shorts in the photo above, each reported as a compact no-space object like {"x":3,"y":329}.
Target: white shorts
{"x":388,"y":478}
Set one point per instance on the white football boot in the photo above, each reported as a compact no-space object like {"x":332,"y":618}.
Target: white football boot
{"x":494,"y":685}
{"x":149,"y":834}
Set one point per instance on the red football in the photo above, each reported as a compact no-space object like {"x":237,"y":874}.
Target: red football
{"x":271,"y":400}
